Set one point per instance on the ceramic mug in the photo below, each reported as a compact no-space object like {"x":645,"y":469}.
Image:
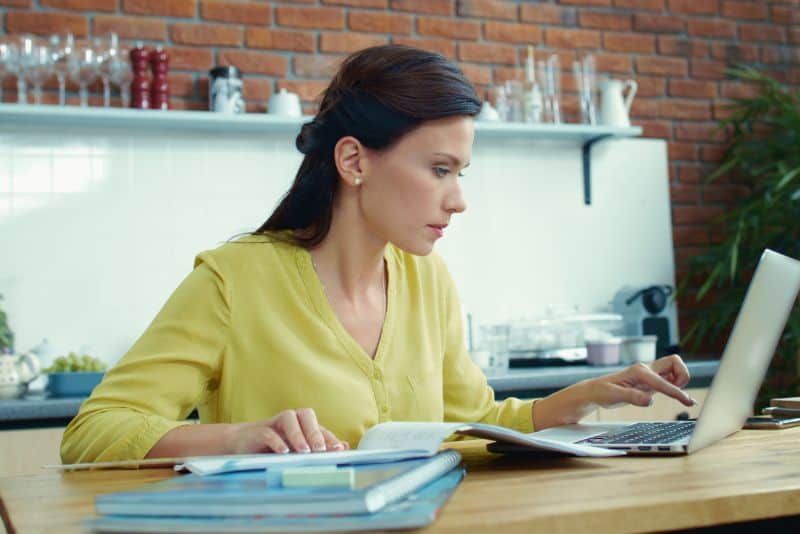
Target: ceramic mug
{"x":285,"y":104}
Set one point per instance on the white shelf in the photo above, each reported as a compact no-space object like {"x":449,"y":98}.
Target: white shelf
{"x":120,"y":118}
{"x":71,"y":118}
{"x":194,"y":121}
{"x":579,"y":133}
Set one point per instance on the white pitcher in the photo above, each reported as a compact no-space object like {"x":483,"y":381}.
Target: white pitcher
{"x":614,"y":103}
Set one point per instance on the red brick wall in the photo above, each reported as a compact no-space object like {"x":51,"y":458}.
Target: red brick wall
{"x":676,"y":50}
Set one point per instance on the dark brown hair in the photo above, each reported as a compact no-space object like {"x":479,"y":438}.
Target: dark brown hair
{"x":378,"y":95}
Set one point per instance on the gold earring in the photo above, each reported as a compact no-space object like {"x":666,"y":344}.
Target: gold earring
{"x":357,"y":180}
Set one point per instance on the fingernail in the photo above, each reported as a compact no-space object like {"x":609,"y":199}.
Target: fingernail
{"x":693,"y":401}
{"x":284,"y":450}
{"x":320,"y":448}
{"x":304,"y":449}
{"x":338,"y":447}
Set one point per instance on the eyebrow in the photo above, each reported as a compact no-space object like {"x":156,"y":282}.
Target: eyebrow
{"x":452,"y":158}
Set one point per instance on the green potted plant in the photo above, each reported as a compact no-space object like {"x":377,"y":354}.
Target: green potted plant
{"x":764,"y":153}
{"x":6,"y":335}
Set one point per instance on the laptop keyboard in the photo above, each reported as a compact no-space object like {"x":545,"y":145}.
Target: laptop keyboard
{"x":645,"y":433}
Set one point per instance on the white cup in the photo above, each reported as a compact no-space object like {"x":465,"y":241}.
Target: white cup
{"x":603,"y":352}
{"x":285,"y":104}
{"x":639,"y":349}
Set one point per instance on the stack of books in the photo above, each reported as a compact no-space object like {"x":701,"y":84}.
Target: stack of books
{"x":396,"y":495}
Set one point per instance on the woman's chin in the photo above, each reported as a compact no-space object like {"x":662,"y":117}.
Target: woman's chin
{"x":417,"y":248}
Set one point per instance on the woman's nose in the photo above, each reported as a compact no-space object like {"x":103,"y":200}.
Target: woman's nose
{"x":454,"y":202}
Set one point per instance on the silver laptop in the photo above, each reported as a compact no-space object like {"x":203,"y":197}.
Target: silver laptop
{"x":744,"y":363}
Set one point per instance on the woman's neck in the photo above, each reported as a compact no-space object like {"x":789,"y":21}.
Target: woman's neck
{"x":350,"y":258}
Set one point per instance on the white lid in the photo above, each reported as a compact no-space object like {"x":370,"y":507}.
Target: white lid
{"x":639,"y":339}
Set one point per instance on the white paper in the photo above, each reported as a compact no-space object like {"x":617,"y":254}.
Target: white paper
{"x":211,"y":465}
{"x":506,"y":435}
{"x":429,"y":436}
{"x":408,"y":435}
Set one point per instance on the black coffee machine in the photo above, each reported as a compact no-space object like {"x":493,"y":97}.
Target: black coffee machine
{"x":649,"y":311}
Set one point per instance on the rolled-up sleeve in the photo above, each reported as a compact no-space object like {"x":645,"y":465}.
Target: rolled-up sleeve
{"x":161,"y":379}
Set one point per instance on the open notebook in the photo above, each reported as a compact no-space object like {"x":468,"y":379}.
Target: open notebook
{"x":385,"y":442}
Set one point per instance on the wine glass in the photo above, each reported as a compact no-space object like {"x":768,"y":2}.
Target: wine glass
{"x":83,"y":69}
{"x":121,"y":75}
{"x":9,"y":55}
{"x":16,"y":67}
{"x":106,"y":50}
{"x":35,"y":62}
{"x":61,"y":48}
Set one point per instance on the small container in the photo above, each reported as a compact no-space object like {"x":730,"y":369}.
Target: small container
{"x":285,"y":104}
{"x":638,"y":349}
{"x":603,"y":352}
{"x":225,"y":93}
{"x":159,"y":84}
{"x":140,"y":86}
{"x":74,"y":384}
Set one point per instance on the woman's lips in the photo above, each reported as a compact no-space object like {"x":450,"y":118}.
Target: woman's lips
{"x":438,"y":229}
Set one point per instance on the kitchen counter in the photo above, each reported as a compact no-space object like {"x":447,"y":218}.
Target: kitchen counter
{"x":38,"y":411}
{"x":541,"y":381}
{"x":41,"y":411}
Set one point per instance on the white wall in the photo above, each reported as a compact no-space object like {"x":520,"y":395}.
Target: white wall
{"x":98,"y":227}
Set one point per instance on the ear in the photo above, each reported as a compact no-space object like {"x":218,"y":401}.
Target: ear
{"x":349,"y":154}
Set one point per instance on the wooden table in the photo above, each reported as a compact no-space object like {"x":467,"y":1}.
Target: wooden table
{"x":754,"y":474}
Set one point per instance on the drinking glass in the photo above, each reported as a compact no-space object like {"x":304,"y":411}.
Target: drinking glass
{"x":550,"y":75}
{"x":585,"y":84}
{"x":106,"y":50}
{"x":61,"y":48}
{"x":35,"y":62}
{"x":121,"y":75}
{"x":83,"y":69}
{"x":515,"y":100}
{"x":17,"y":67}
{"x":494,"y":341}
{"x":9,"y":56}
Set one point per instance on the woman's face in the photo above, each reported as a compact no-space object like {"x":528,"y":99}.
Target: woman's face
{"x":411,"y":190}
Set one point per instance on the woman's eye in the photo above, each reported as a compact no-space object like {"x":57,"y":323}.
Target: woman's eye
{"x":441,"y":172}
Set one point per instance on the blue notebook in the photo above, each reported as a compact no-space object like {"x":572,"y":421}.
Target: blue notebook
{"x":415,"y":510}
{"x":249,"y":493}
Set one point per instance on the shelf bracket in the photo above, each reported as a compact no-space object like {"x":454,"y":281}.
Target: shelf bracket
{"x":587,"y":167}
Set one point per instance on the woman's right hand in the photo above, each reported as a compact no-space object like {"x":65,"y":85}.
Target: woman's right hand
{"x":289,"y":431}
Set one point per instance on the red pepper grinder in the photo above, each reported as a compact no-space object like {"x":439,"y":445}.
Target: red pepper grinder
{"x":140,"y":86}
{"x":159,"y":89}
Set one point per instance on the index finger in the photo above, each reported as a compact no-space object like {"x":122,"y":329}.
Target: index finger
{"x":654,"y":381}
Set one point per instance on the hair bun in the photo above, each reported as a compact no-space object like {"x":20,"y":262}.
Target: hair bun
{"x":307,"y":139}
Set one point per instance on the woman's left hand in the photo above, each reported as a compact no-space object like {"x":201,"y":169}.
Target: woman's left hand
{"x":635,"y":385}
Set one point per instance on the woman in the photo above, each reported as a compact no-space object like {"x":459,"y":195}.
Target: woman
{"x":334,"y":315}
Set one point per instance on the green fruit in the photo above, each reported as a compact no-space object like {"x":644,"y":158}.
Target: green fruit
{"x":73,"y":363}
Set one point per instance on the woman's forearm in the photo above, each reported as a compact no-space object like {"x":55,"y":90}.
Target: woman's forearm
{"x":194,"y":440}
{"x":565,"y":406}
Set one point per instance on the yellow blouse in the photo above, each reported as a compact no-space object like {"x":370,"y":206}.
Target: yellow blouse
{"x":250,"y":332}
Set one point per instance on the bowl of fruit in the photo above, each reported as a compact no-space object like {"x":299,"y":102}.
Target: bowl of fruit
{"x":74,"y":376}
